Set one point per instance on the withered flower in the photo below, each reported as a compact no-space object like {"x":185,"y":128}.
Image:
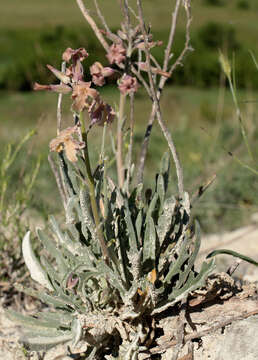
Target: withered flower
{"x":83,"y":95}
{"x":99,"y":73}
{"x":65,"y":141}
{"x":62,"y":88}
{"x":101,"y":113}
{"x":144,"y":66}
{"x":116,"y":54}
{"x":75,"y":71}
{"x":128,"y":85}
{"x":150,"y":44}
{"x":74,"y":55}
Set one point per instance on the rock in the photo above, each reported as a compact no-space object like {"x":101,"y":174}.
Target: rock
{"x":238,"y":341}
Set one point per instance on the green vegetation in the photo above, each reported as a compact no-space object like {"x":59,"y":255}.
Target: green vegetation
{"x":42,"y":30}
{"x":120,"y":247}
{"x":204,"y":131}
{"x":17,"y":179}
{"x":243,"y":4}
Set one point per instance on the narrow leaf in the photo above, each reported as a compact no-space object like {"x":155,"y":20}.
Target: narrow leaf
{"x":232,"y":253}
{"x":36,"y":271}
{"x":51,"y":247}
{"x":41,"y":342}
{"x":149,"y":245}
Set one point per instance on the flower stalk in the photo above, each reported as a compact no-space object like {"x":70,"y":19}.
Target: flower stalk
{"x":91,"y":186}
{"x":119,"y":150}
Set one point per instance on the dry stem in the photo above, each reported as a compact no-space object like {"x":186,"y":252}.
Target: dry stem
{"x":58,"y":180}
{"x":93,"y":25}
{"x":59,"y":104}
{"x":130,"y":148}
{"x":119,"y":150}
{"x":156,"y":104}
{"x":163,"y":79}
{"x":101,"y":17}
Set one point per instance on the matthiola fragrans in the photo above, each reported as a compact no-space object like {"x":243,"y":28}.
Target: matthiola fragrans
{"x":125,"y":254}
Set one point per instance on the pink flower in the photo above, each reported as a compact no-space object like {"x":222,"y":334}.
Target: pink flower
{"x":128,"y":85}
{"x":101,"y":113}
{"x":77,"y":54}
{"x":141,"y":45}
{"x":65,"y":141}
{"x":75,"y":71}
{"x":99,"y":73}
{"x":116,"y":54}
{"x":72,"y":281}
{"x":81,"y":94}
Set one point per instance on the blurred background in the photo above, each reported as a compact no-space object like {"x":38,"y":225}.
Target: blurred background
{"x":197,"y":103}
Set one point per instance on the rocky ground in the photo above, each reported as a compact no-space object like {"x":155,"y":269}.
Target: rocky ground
{"x":224,"y":330}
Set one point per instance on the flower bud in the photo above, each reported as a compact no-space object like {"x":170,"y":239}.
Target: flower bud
{"x":128,"y":85}
{"x":61,"y":89}
{"x":60,"y":75}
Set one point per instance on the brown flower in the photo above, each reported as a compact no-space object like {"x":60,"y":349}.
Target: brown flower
{"x":65,"y":141}
{"x":81,"y":94}
{"x":128,"y":85}
{"x":75,"y":71}
{"x":116,"y":54}
{"x":74,"y":55}
{"x":99,"y":73}
{"x":141,"y":45}
{"x":144,"y":67}
{"x":101,"y":113}
{"x":62,"y":88}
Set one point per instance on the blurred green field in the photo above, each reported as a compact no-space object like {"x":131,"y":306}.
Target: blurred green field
{"x":203,"y":133}
{"x":31,"y":14}
{"x":36,"y":33}
{"x":202,"y":120}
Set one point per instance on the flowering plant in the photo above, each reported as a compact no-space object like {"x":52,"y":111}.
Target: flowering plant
{"x":123,"y":258}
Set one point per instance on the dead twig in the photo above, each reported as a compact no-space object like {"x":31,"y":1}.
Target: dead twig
{"x":93,"y":25}
{"x":171,"y":35}
{"x":180,"y":330}
{"x":202,"y":333}
{"x":233,"y":266}
{"x":156,"y":105}
{"x":201,"y":190}
{"x":130,"y":148}
{"x":59,"y":104}
{"x":187,"y":46}
{"x":101,"y":17}
{"x":164,"y":78}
